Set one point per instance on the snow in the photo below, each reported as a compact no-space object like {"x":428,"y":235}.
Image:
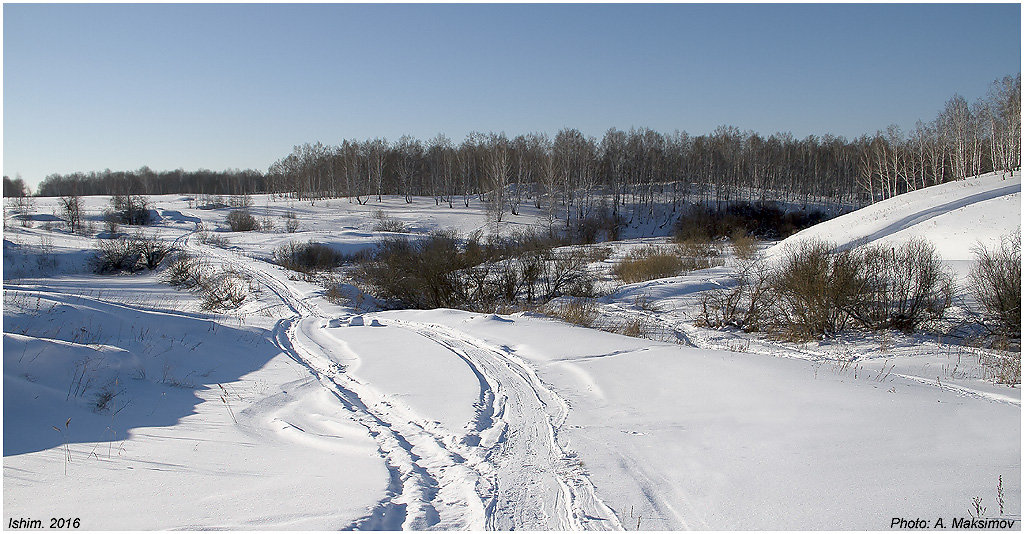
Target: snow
{"x":128,"y":406}
{"x":956,"y":217}
{"x":271,"y":449}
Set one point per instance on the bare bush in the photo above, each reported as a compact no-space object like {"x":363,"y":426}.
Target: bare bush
{"x":745,"y":304}
{"x":185,"y":270}
{"x":241,"y":221}
{"x":903,"y":287}
{"x":744,"y":246}
{"x":566,"y":273}
{"x":243,"y":201}
{"x":307,"y":257}
{"x":212,"y":238}
{"x":130,"y":209}
{"x":815,"y":291}
{"x":210,"y":202}
{"x":439,"y":271}
{"x":224,"y":290}
{"x":697,"y":255}
{"x":71,"y":212}
{"x":111,"y":222}
{"x":421,"y":274}
{"x":129,"y":254}
{"x":814,"y":288}
{"x":291,"y":222}
{"x":639,"y":326}
{"x":387,"y":224}
{"x":995,"y":282}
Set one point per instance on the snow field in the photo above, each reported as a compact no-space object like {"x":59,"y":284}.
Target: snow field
{"x":280,"y":416}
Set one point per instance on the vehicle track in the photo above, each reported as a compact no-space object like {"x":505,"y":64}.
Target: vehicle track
{"x":540,"y":486}
{"x":507,"y":473}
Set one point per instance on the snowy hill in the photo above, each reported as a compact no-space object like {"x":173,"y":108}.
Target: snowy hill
{"x":955,"y":217}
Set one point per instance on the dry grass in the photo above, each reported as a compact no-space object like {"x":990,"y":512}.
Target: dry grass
{"x":744,"y":245}
{"x":578,"y":311}
{"x":638,"y":326}
{"x":699,"y":254}
{"x":648,"y":263}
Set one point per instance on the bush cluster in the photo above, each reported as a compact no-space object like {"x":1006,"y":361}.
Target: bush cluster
{"x":387,"y":224}
{"x":601,"y":223}
{"x":653,"y":262}
{"x":226,"y":289}
{"x":308,"y":257}
{"x":765,"y":221}
{"x":291,"y":222}
{"x":241,"y":221}
{"x":995,"y":284}
{"x":577,"y":311}
{"x":128,"y":209}
{"x":129,"y":254}
{"x":444,"y":271}
{"x":816,"y":291}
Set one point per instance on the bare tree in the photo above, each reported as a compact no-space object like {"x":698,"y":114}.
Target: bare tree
{"x":71,"y":212}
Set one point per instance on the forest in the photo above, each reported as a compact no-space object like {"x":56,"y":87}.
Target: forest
{"x":626,"y":174}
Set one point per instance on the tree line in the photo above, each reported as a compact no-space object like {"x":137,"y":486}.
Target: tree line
{"x":145,"y":181}
{"x":627,"y":174}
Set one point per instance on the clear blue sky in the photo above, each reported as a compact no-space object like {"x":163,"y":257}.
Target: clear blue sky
{"x":88,"y":87}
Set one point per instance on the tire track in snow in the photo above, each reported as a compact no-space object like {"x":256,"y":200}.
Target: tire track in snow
{"x":539,"y":486}
{"x":431,"y":484}
{"x":508,"y":473}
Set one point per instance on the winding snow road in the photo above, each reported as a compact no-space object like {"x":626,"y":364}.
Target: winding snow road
{"x":507,"y":473}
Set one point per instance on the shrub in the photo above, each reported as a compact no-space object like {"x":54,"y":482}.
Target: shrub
{"x":131,"y":209}
{"x":71,"y":212}
{"x":762,"y":220}
{"x":697,"y":255}
{"x":639,"y":326}
{"x":995,"y":283}
{"x":437,"y":272}
{"x":815,"y":288}
{"x":240,"y":201}
{"x":387,"y":224}
{"x":903,"y":287}
{"x":648,"y":263}
{"x":566,"y":273}
{"x":291,"y":222}
{"x":129,"y":254}
{"x":307,"y":257}
{"x":746,"y":304}
{"x":744,"y":245}
{"x":241,"y":221}
{"x":213,"y":239}
{"x":225,"y":290}
{"x":185,"y":270}
{"x":814,"y":291}
{"x":210,"y":202}
{"x":111,"y":222}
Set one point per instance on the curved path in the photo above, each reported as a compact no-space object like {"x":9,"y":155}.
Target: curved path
{"x":508,"y":472}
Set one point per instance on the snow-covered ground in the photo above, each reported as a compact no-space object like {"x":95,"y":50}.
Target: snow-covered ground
{"x":127,"y":406}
